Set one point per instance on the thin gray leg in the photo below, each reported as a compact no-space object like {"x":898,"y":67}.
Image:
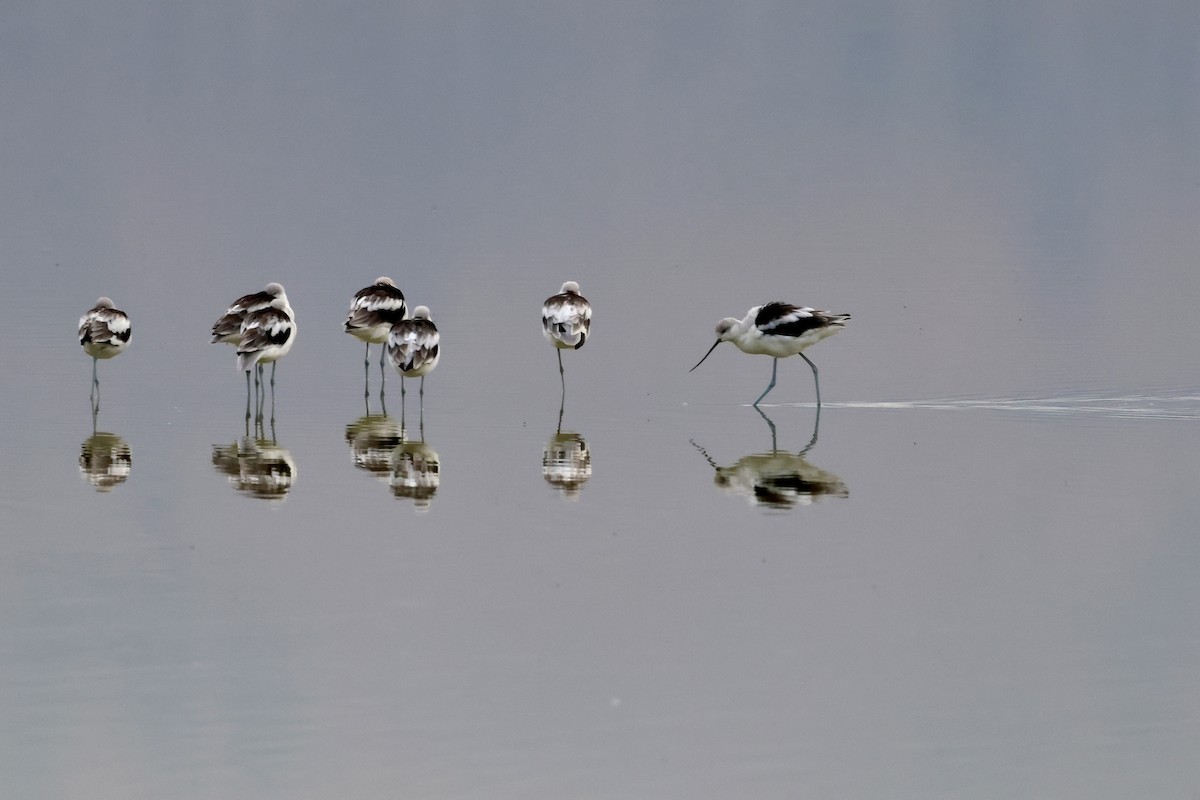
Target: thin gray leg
{"x":367,"y":371}
{"x":771,"y":385}
{"x":816,"y":381}
{"x":421,"y":411}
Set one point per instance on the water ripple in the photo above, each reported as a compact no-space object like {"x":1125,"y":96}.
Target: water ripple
{"x":1175,"y":407}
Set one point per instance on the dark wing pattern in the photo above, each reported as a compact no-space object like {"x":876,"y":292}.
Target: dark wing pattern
{"x":378,"y":304}
{"x":265,"y":328}
{"x":783,"y":319}
{"x":567,"y":317}
{"x":104,"y":326}
{"x":413,"y":344}
{"x":229,"y":326}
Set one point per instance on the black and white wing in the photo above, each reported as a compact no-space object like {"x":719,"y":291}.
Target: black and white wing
{"x":381,"y":303}
{"x":414,"y":344}
{"x":784,"y":319}
{"x":567,"y":319}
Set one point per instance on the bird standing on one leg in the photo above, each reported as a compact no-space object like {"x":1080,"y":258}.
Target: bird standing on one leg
{"x":373,"y":312}
{"x":566,"y":322}
{"x":779,"y":330}
{"x":414,"y":346}
{"x":104,"y":332}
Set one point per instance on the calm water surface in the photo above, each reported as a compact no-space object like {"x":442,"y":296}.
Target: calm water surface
{"x":976,"y":578}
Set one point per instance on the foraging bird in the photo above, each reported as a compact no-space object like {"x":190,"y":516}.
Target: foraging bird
{"x":778,"y":330}
{"x":566,"y":321}
{"x":413,"y":346}
{"x":266,"y":336}
{"x":104,"y":332}
{"x":373,"y":312}
{"x":228,"y":329}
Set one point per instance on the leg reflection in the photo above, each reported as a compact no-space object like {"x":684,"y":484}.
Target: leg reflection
{"x":771,"y":425}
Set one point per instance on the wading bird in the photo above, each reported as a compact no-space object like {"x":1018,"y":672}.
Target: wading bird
{"x":566,"y":321}
{"x":266,"y":336}
{"x":373,"y":312}
{"x":104,"y":332}
{"x":414,"y":347}
{"x":778,"y":330}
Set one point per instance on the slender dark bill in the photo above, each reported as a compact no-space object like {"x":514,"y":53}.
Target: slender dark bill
{"x":701,"y":361}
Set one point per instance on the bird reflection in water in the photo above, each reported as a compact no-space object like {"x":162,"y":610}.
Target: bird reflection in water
{"x":415,"y":473}
{"x":777,"y":479}
{"x":414,"y":468}
{"x":256,"y":465}
{"x":372,"y":438}
{"x":566,"y":460}
{"x":105,"y":459}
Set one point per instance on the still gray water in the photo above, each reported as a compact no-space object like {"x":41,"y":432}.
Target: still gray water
{"x":975,"y":578}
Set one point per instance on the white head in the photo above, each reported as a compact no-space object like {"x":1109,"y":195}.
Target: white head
{"x":104,"y":302}
{"x":421,"y":312}
{"x":727,"y":329}
{"x":570,"y":287}
{"x":383,"y":280}
{"x":274,"y":289}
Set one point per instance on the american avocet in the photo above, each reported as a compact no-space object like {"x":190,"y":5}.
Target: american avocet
{"x":413,"y":345}
{"x":228,"y":329}
{"x":566,"y":321}
{"x":103,"y":333}
{"x":373,"y":312}
{"x":778,"y":330}
{"x":266,"y":336}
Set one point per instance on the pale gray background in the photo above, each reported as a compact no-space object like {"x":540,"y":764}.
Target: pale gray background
{"x":1004,"y":196}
